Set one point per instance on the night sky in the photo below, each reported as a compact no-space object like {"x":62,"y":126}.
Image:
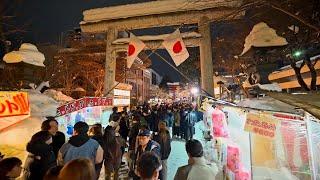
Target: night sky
{"x":45,"y":20}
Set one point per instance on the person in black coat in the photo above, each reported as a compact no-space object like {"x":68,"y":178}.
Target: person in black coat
{"x":124,"y":126}
{"x":163,"y":138}
{"x":154,"y":119}
{"x":183,"y":114}
{"x":40,"y":157}
{"x":58,"y":138}
{"x":96,"y":133}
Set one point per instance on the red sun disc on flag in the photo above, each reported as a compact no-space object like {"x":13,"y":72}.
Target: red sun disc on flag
{"x":131,"y":49}
{"x":177,"y":47}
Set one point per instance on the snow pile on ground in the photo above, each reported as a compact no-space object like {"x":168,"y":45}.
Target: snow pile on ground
{"x":41,"y":105}
{"x":46,"y":104}
{"x":14,"y":139}
{"x":58,"y":96}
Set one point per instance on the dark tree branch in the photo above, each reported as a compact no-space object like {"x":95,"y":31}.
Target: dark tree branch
{"x":296,"y":17}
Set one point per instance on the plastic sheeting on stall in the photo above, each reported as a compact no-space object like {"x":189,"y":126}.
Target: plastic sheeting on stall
{"x":313,"y":126}
{"x":283,"y":155}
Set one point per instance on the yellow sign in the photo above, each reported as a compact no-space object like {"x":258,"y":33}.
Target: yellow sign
{"x":14,"y":104}
{"x":262,"y":124}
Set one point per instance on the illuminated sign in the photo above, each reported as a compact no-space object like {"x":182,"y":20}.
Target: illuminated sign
{"x":14,"y":104}
{"x":119,"y":92}
{"x":117,"y":102}
{"x":83,"y":103}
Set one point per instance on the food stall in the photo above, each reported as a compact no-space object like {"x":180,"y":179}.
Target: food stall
{"x":88,"y":109}
{"x":274,"y":142}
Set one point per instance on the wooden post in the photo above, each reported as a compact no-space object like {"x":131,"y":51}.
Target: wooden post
{"x":206,"y":56}
{"x":110,"y":66}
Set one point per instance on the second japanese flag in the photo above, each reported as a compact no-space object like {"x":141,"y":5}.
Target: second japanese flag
{"x":176,"y":47}
{"x":134,"y":48}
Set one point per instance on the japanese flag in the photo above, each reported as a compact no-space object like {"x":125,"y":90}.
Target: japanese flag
{"x":176,"y":47}
{"x":134,"y":48}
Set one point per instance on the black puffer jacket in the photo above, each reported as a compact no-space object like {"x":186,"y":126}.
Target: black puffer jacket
{"x":57,"y":141}
{"x":43,"y":159}
{"x":165,"y":144}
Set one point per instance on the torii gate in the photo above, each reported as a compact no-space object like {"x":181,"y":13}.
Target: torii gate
{"x":115,"y":19}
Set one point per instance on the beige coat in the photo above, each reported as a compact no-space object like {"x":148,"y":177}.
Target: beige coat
{"x":197,"y":170}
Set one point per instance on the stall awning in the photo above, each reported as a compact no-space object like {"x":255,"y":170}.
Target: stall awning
{"x":309,"y":102}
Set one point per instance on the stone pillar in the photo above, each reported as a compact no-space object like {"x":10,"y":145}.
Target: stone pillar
{"x":206,"y":56}
{"x":110,"y":66}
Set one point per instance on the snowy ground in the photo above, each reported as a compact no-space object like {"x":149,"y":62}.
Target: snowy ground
{"x":178,"y":156}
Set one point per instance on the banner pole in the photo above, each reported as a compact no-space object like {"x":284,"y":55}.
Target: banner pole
{"x":250,"y":155}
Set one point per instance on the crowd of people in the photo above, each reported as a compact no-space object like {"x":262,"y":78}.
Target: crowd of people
{"x":146,"y":132}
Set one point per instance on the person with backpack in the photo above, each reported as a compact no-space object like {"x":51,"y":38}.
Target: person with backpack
{"x":80,"y":145}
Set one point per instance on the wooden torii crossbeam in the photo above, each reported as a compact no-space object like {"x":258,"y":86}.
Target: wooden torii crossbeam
{"x":159,"y":14}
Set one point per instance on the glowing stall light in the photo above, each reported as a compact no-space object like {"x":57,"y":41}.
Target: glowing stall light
{"x":194,"y":90}
{"x":119,"y":92}
{"x":121,"y":102}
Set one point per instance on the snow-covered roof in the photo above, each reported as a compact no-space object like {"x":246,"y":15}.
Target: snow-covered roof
{"x":262,"y":35}
{"x":153,"y":8}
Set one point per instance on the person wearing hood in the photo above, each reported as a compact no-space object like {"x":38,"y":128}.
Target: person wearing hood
{"x":80,"y":145}
{"x":41,"y":156}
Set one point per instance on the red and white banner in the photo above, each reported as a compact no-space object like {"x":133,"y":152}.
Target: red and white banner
{"x":176,"y":48}
{"x":83,"y":103}
{"x":134,"y":48}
